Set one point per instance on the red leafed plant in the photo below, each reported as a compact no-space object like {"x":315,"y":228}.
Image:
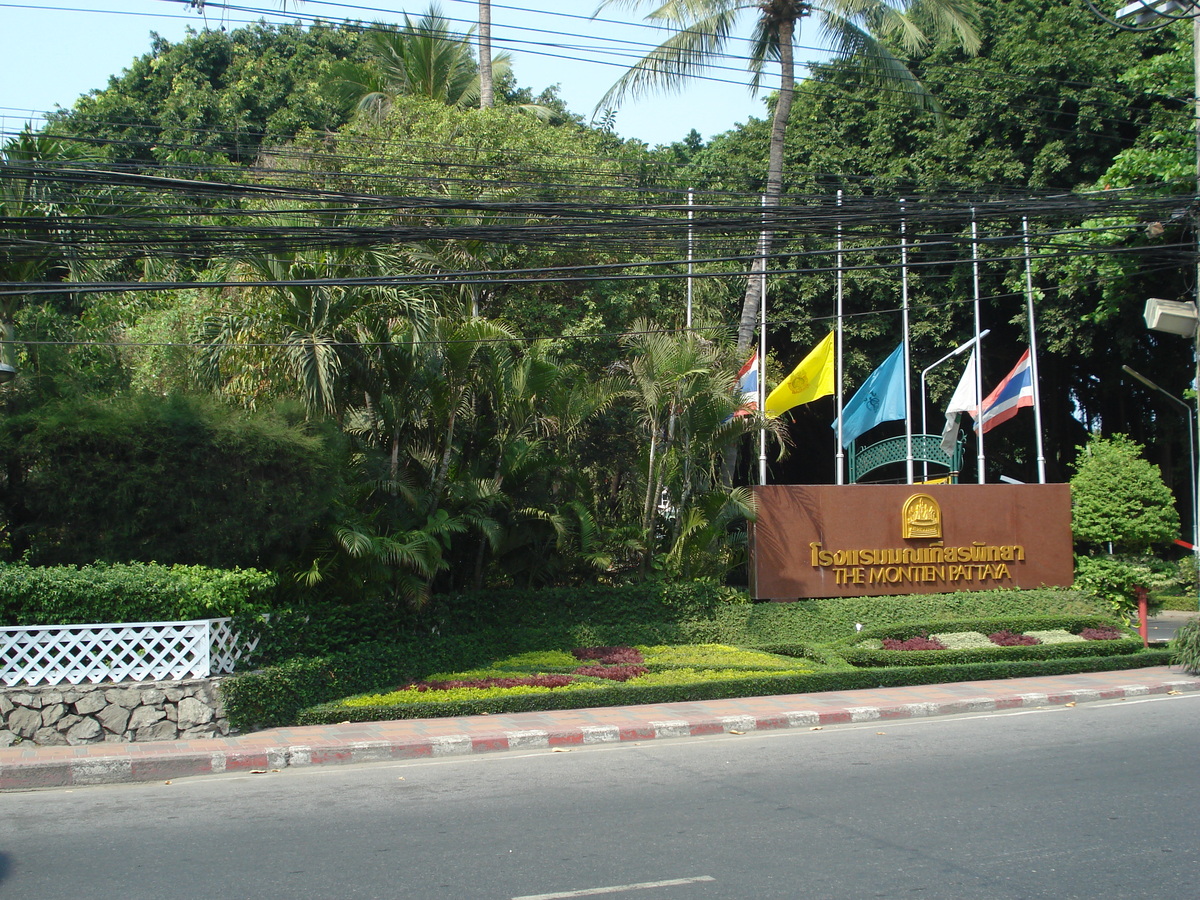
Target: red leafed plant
{"x":1009,"y":639}
{"x":549,"y":681}
{"x":920,"y":642}
{"x":612,"y":673}
{"x":612,"y":656}
{"x":1104,"y":633}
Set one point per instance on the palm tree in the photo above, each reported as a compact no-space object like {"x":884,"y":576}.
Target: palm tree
{"x":486,"y":92}
{"x":425,"y":58}
{"x":31,"y":205}
{"x":319,"y":329}
{"x":684,"y":399}
{"x":863,"y":30}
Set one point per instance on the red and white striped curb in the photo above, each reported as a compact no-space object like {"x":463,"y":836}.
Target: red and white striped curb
{"x":145,"y":765}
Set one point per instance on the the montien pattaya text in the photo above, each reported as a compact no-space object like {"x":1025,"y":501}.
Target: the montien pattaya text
{"x":978,"y":563}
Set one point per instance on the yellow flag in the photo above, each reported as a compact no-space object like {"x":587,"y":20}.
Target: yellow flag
{"x":811,"y":379}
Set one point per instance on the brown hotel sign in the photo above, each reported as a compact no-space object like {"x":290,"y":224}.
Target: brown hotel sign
{"x":868,"y":540}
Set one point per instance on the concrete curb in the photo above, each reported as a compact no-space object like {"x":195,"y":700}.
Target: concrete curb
{"x":53,"y":768}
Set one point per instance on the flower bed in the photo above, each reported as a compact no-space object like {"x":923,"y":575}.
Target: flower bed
{"x":987,"y":640}
{"x":612,"y":667}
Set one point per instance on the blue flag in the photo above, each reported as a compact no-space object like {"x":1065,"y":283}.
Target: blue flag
{"x":880,"y":399}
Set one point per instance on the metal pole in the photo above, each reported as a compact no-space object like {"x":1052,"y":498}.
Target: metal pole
{"x":957,"y":351}
{"x":981,"y":468}
{"x":1033,"y":357}
{"x":690,"y":239}
{"x":1196,"y":230}
{"x":908,"y":441}
{"x":1192,"y":462}
{"x":762,"y":355}
{"x":840,"y":459}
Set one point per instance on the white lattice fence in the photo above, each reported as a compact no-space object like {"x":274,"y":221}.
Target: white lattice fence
{"x":135,"y":651}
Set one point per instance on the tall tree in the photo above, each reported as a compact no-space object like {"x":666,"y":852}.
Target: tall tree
{"x":486,"y":91}
{"x":864,"y":30}
{"x":424,"y":58}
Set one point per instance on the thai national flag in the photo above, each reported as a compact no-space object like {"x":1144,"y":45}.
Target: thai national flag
{"x":1015,"y":391}
{"x":748,"y":384}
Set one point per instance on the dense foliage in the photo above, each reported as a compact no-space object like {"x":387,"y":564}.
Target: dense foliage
{"x":650,"y":614}
{"x":176,"y":479}
{"x":1118,"y":498}
{"x":493,"y":390}
{"x":77,"y":595}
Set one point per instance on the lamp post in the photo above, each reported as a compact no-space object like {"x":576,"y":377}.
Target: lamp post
{"x":1187,"y":409}
{"x":957,"y":351}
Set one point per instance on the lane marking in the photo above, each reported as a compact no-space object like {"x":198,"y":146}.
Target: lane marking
{"x":617,"y":888}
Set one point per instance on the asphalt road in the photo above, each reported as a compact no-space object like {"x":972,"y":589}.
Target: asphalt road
{"x":1095,"y":801}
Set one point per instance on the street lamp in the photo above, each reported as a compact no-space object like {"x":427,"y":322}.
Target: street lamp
{"x":957,"y":351}
{"x":1187,"y":409}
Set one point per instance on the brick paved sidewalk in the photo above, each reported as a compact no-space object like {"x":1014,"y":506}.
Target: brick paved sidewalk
{"x":28,"y":767}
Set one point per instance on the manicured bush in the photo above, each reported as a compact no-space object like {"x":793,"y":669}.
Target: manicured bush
{"x":1185,"y":646}
{"x":920,"y":642}
{"x":1100,"y":634}
{"x":74,"y":595}
{"x":612,"y":673}
{"x":1055,"y":638}
{"x":1007,"y":638}
{"x":164,"y":479}
{"x":699,"y":613}
{"x":764,"y":685}
{"x":609,"y":655}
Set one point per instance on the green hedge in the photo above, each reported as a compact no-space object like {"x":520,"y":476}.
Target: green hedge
{"x":274,"y":696}
{"x":75,"y":595}
{"x":862,"y":657}
{"x":168,"y":479}
{"x":989,"y":625}
{"x":618,"y":695}
{"x":653,"y":613}
{"x":704,"y":610}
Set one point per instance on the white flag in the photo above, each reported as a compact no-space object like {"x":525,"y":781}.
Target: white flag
{"x":962,"y":401}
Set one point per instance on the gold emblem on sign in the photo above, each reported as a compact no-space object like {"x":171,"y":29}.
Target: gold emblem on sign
{"x":922,"y":517}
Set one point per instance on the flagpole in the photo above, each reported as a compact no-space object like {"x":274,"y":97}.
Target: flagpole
{"x":840,"y":457}
{"x":1033,"y":357}
{"x":907,"y":359}
{"x":690,"y":239}
{"x":762,"y":353}
{"x":981,"y":475}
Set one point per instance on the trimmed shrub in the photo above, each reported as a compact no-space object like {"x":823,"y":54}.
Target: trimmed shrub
{"x":700,"y":613}
{"x":70,"y":595}
{"x":856,"y":654}
{"x":764,"y":685}
{"x":1185,"y":646}
{"x":164,"y":479}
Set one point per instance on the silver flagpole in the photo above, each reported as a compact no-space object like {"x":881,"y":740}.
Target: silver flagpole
{"x":688,"y":321}
{"x":762,"y":355}
{"x":840,"y":459}
{"x":1033,"y":357}
{"x":982,"y":471}
{"x":907,"y":361}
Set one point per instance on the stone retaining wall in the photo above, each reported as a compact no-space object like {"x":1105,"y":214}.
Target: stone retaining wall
{"x":98,"y":713}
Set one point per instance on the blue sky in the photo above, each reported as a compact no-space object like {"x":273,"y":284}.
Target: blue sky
{"x":52,"y":51}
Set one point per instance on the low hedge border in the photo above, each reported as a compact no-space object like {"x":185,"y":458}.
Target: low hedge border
{"x":990,"y":625}
{"x":131,"y":592}
{"x":618,"y":695}
{"x":856,"y":655}
{"x":868,"y":658}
